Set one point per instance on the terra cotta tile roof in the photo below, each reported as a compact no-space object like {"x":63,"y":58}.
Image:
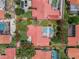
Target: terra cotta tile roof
{"x":36,"y":34}
{"x":9,"y":54}
{"x":44,"y":10}
{"x":42,"y":55}
{"x":5,"y":39}
{"x":73,"y":52}
{"x":72,"y":41}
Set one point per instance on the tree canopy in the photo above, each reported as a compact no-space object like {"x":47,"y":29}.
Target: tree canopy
{"x":19,"y":11}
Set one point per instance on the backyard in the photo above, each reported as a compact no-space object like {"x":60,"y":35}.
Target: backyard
{"x":27,"y":14}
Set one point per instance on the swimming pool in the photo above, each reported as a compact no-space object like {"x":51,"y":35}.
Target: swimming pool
{"x":2,"y":26}
{"x":55,"y":54}
{"x":48,"y":31}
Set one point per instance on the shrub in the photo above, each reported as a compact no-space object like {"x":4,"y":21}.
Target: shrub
{"x":7,"y":15}
{"x":19,"y":11}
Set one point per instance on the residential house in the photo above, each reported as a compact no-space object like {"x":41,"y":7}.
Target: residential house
{"x":7,"y":28}
{"x":40,"y":36}
{"x":73,"y":35}
{"x":46,"y":9}
{"x":5,"y":36}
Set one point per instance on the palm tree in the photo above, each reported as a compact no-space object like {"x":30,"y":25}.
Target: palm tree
{"x":26,"y":50}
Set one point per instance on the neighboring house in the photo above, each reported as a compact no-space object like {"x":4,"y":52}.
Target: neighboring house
{"x":10,"y":53}
{"x":25,"y":4}
{"x":74,"y":6}
{"x":41,"y":54}
{"x":73,"y":40}
{"x":7,"y":30}
{"x":40,"y":36}
{"x":5,"y":36}
{"x":73,"y":35}
{"x":7,"y":27}
{"x":73,"y":53}
{"x":46,"y":9}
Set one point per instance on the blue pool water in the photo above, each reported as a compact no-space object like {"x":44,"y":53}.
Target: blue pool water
{"x":2,"y":26}
{"x":48,"y":31}
{"x":55,"y":54}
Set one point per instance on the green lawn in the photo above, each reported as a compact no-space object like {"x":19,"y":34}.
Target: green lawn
{"x":3,"y":46}
{"x":62,"y":54}
{"x":44,"y":23}
{"x":57,"y":39}
{"x":74,"y":19}
{"x":48,"y":22}
{"x":27,"y":14}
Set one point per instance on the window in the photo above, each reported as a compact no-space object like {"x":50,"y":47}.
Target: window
{"x":71,"y":30}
